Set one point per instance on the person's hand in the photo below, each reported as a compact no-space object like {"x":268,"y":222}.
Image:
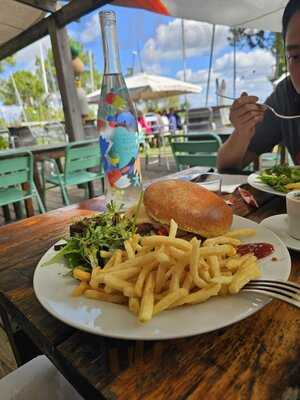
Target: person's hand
{"x":245,"y":114}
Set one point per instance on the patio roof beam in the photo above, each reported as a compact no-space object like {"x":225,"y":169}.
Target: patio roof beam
{"x":68,"y":13}
{"x":66,"y":79}
{"x":44,"y":5}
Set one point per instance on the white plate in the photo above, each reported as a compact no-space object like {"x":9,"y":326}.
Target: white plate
{"x":54,"y":292}
{"x":278,"y":225}
{"x":254,"y":181}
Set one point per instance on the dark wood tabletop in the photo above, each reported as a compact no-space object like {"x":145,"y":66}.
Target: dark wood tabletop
{"x":257,"y":358}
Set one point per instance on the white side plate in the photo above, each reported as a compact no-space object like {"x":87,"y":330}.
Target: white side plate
{"x":278,"y":225}
{"x":254,"y":181}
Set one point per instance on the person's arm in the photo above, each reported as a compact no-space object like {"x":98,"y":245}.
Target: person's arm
{"x":245,"y":114}
{"x":234,"y":152}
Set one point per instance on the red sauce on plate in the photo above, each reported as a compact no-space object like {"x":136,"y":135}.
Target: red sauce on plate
{"x":260,"y":250}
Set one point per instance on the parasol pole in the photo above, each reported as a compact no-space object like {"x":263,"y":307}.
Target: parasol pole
{"x":234,"y":62}
{"x":210,"y":62}
{"x":184,"y":67}
{"x":19,"y":100}
{"x":140,"y":58}
{"x":183,"y":50}
{"x":91,"y":71}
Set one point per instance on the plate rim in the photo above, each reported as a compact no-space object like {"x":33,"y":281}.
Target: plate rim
{"x":95,"y":331}
{"x":262,"y":186}
{"x":286,"y":243}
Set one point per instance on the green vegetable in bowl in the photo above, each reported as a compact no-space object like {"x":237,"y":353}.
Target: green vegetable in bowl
{"x":279,"y":176}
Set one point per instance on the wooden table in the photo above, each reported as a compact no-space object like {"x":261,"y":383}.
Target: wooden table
{"x":257,"y":358}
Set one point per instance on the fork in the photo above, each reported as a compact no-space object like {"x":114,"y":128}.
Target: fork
{"x":282,"y":290}
{"x":267,"y":106}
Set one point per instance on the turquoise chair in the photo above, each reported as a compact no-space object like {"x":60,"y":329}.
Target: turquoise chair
{"x":16,"y":170}
{"x":202,"y":151}
{"x":82,"y":158}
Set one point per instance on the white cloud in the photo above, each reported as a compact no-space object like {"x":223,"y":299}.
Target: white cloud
{"x":91,"y":30}
{"x":199,"y":76}
{"x":253,"y":70}
{"x":258,"y":62}
{"x":167,"y":42}
{"x":155,"y":68}
{"x":26,"y":57}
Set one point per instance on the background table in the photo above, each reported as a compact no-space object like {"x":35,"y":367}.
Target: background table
{"x":257,"y":358}
{"x":41,"y":153}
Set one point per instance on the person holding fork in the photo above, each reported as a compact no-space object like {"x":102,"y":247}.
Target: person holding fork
{"x":257,"y":128}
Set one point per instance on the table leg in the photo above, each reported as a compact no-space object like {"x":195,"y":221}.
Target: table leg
{"x":18,"y":210}
{"x":60,"y":165}
{"x":37,"y":179}
{"x":23,"y":348}
{"x":6,"y":213}
{"x":165,"y":152}
{"x":28,"y":202}
{"x":91,"y":190}
{"x":146,"y":150}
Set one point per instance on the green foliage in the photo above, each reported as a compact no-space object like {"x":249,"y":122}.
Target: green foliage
{"x":3,"y":143}
{"x":77,"y":50}
{"x":171,"y":102}
{"x":9,"y":61}
{"x":29,"y":87}
{"x":42,"y":112}
{"x":2,"y":123}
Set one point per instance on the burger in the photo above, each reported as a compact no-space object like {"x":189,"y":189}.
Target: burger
{"x":195,"y":209}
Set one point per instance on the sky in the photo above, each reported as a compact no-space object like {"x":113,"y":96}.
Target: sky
{"x":158,"y":38}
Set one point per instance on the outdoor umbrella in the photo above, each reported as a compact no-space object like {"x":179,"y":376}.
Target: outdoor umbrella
{"x":260,"y":14}
{"x":152,"y":87}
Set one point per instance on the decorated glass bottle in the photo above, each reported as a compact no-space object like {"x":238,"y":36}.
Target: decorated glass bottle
{"x":117,"y":124}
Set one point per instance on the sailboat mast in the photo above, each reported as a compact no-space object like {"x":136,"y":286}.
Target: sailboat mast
{"x":44,"y":70}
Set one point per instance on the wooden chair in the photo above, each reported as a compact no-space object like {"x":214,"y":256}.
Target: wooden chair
{"x":188,"y":152}
{"x":16,"y":180}
{"x":82,"y":166}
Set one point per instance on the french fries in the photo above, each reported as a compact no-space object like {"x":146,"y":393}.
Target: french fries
{"x":155,"y":273}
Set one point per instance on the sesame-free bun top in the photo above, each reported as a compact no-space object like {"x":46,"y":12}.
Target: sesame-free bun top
{"x":194,"y":208}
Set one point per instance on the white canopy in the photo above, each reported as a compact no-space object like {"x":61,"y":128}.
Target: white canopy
{"x":149,"y":87}
{"x":260,"y":14}
{"x":15,"y":18}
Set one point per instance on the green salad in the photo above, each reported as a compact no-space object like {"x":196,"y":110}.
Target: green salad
{"x":89,"y":236}
{"x":280,"y":176}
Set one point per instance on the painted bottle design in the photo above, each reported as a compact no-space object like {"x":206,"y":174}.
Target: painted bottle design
{"x":117,"y":124}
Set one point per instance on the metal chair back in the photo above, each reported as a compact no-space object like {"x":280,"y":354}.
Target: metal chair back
{"x":188,"y":152}
{"x":81,"y":157}
{"x":16,"y":170}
